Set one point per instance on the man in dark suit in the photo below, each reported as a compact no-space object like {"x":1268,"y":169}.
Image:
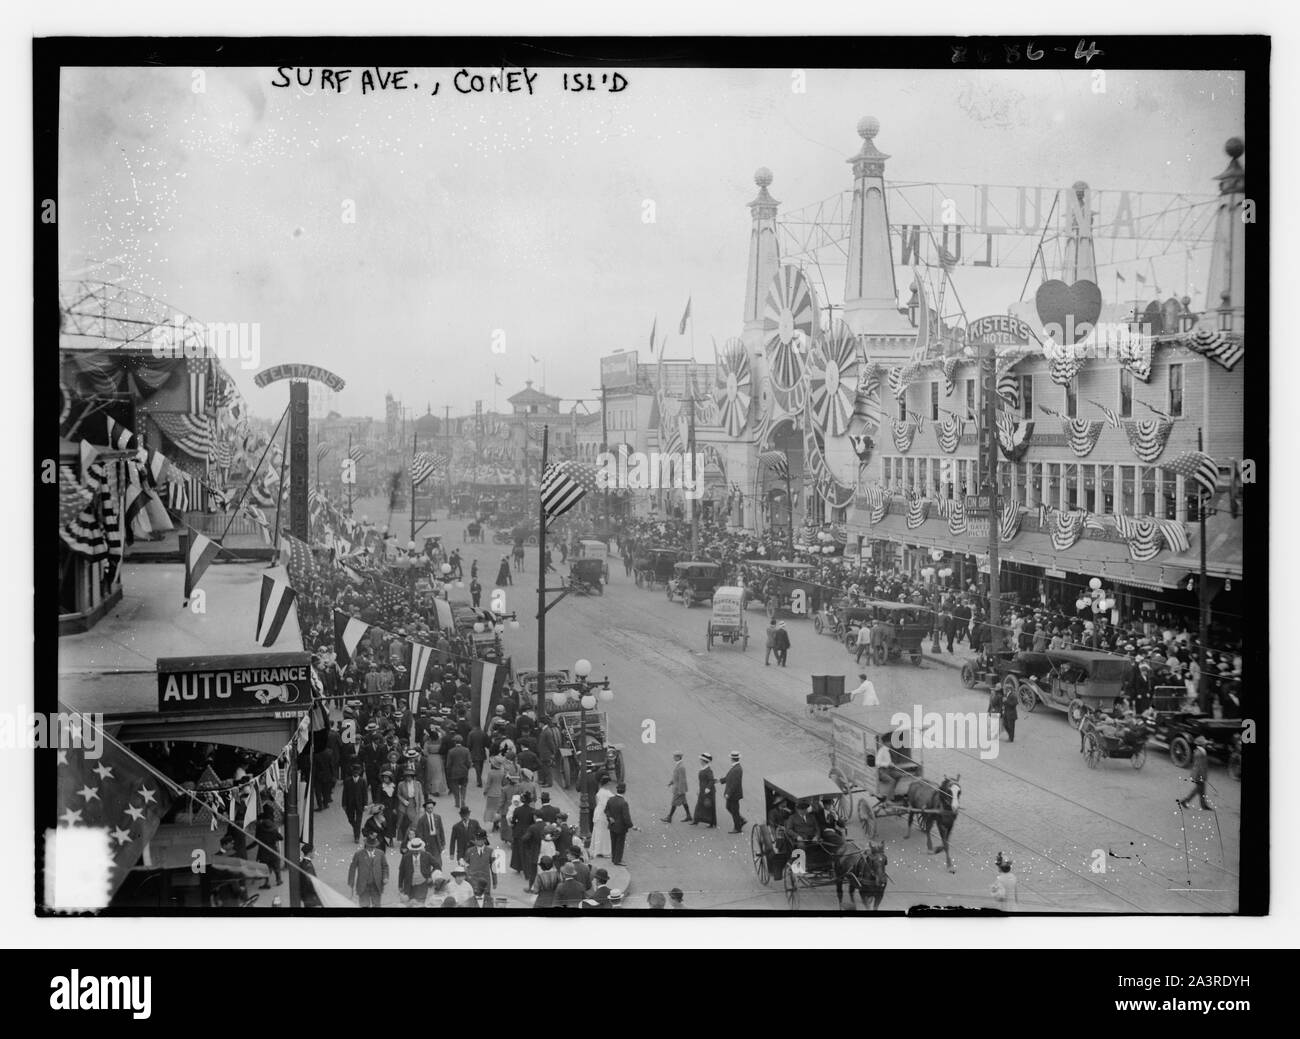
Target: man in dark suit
{"x":477,"y":742}
{"x":463,"y":834}
{"x":620,"y":821}
{"x":356,"y":795}
{"x":548,"y":750}
{"x":733,"y":792}
{"x":571,"y":892}
{"x":368,"y":874}
{"x":458,"y":766}
{"x":548,"y":811}
{"x":428,"y":827}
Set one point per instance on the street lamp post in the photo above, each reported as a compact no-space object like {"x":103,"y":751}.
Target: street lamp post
{"x":585,"y":688}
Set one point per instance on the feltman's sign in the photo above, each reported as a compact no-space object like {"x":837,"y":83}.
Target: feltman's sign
{"x":246,"y":682}
{"x":999,"y":330}
{"x":298,"y":371}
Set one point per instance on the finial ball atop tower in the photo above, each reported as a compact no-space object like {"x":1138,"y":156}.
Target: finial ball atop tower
{"x":868,"y":127}
{"x":762,"y":176}
{"x":1234,"y":147}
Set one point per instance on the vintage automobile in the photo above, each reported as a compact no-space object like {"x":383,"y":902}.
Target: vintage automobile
{"x":588,"y":576}
{"x":898,"y":630}
{"x":694,"y":581}
{"x":590,"y":548}
{"x":728,"y":622}
{"x":1075,"y":681}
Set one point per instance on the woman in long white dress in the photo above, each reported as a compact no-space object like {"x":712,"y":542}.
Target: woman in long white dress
{"x":600,"y":842}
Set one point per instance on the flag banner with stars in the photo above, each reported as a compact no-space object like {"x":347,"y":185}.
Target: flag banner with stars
{"x":957,"y":525}
{"x":1081,"y":434}
{"x":113,"y":792}
{"x":1175,"y":535}
{"x":1136,"y":357}
{"x":1013,"y":436}
{"x":1198,"y":466}
{"x":777,"y":462}
{"x":1148,"y":438}
{"x":1062,"y":370}
{"x":949,"y":367}
{"x":1226,"y":349}
{"x":1112,"y":417}
{"x":917,"y":510}
{"x":1143,"y":537}
{"x":949,"y":429}
{"x":422,"y":466}
{"x":1067,"y":527}
{"x":1009,"y":521}
{"x":903,"y":433}
{"x":356,"y":453}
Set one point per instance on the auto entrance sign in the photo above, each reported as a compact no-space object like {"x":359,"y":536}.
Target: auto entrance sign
{"x":255,"y":681}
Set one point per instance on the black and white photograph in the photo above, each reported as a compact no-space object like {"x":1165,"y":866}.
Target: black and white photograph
{"x":729,"y":478}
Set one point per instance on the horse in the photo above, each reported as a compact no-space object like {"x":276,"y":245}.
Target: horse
{"x":863,"y":870}
{"x":935,"y":804}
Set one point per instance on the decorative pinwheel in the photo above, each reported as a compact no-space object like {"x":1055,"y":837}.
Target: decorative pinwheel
{"x":833,"y":369}
{"x":734,"y":382}
{"x":790,"y":308}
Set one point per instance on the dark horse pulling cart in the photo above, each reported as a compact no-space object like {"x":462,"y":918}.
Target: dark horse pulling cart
{"x":653,"y":566}
{"x":823,"y":855}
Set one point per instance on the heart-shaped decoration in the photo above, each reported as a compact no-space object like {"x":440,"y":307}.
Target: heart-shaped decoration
{"x":1068,"y":312}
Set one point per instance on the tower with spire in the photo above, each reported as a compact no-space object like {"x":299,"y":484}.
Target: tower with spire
{"x":870,"y":291}
{"x":1225,"y":294}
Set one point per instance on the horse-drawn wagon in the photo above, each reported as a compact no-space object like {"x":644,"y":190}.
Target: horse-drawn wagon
{"x":802,"y":840}
{"x":654,"y":565}
{"x":882,"y":763}
{"x":792,"y":584}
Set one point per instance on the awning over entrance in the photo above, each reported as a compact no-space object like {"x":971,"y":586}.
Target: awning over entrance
{"x":1089,"y":555}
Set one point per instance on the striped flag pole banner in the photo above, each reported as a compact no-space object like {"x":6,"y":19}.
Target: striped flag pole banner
{"x":198,"y":557}
{"x":273,"y":607}
{"x":348,"y":632}
{"x":777,"y":462}
{"x":1112,"y":417}
{"x":560,"y":492}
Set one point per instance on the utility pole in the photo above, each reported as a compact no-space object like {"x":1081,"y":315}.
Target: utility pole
{"x":604,"y":449}
{"x":446,"y":441}
{"x":478,"y":439}
{"x":415,"y":439}
{"x":690,"y":451}
{"x":1203,"y":596}
{"x":541,"y":574}
{"x":988,"y":440}
{"x":354,"y":472}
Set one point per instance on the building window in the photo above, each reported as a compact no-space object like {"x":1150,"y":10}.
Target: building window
{"x":1169,"y":489}
{"x":909,"y":479}
{"x":935,"y":466}
{"x":1026,"y":396}
{"x":1148,"y":491}
{"x":1108,"y":489}
{"x":970,"y":397}
{"x":1022,"y":483}
{"x":1052,"y":480}
{"x":902,"y":409}
{"x":1128,"y":490}
{"x":1125,"y":393}
{"x":1070,"y":475}
{"x":934,"y":402}
{"x":1175,"y":391}
{"x":1072,"y":398}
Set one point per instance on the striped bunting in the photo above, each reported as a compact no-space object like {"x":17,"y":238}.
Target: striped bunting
{"x":957,"y":524}
{"x":273,"y":609}
{"x":1067,"y":528}
{"x":357,"y":453}
{"x":1218,"y":346}
{"x":900,"y":378}
{"x":1148,"y":438}
{"x":1009,"y":521}
{"x":1082,"y":434}
{"x":1063,"y":369}
{"x":917,"y":511}
{"x":119,"y":437}
{"x":198,"y":557}
{"x":949,"y":428}
{"x":190,"y":433}
{"x":197,"y":367}
{"x":876,"y":500}
{"x":1198,"y":466}
{"x":1142,"y":535}
{"x":321,"y":451}
{"x":1175,"y":535}
{"x":559,"y":491}
{"x":903,"y":433}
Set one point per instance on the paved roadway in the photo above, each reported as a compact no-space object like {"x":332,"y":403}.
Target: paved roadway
{"x":1036,"y":800}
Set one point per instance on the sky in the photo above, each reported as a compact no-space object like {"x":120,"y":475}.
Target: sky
{"x":491,"y":228}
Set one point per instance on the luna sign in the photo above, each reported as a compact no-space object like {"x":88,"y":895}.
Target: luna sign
{"x":313,"y":372}
{"x":256,"y":681}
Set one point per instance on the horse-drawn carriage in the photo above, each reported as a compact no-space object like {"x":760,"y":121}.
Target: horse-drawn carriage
{"x":793,"y":584}
{"x":653,"y":566}
{"x":803,"y":841}
{"x":474,"y":533}
{"x":884,"y":764}
{"x":1104,"y":736}
{"x":1075,"y":681}
{"x":693,"y":581}
{"x":728,"y":622}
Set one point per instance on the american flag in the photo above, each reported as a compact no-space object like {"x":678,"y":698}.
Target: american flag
{"x":424,"y":465}
{"x":903,"y":432}
{"x":1198,"y":466}
{"x":357,"y":453}
{"x":113,"y":792}
{"x":560,"y":491}
{"x":1143,"y":537}
{"x":1009,"y":389}
{"x":1227,"y":350}
{"x":296,"y":558}
{"x":1009,"y":521}
{"x":1112,"y":417}
{"x":197,"y":367}
{"x":191,"y":433}
{"x":321,"y":451}
{"x":777,"y":462}
{"x":949,"y":367}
